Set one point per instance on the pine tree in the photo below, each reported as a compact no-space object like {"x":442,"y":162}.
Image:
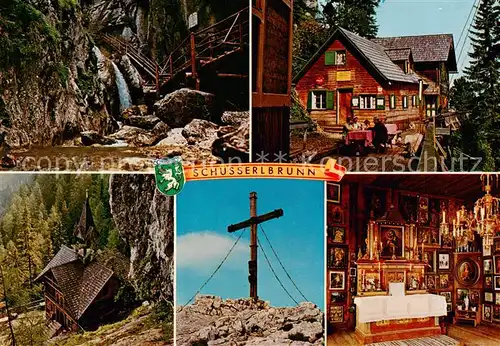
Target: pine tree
{"x":358,"y":16}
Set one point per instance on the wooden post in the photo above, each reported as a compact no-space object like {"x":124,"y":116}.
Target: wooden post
{"x":252,"y":265}
{"x":193,"y":62}
{"x":252,"y":223}
{"x":171,"y":66}
{"x":157,"y":77}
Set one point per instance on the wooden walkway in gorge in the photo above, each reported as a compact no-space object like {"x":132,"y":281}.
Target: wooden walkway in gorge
{"x":195,"y":53}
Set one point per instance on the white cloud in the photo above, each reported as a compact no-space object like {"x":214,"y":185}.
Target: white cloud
{"x":203,"y":251}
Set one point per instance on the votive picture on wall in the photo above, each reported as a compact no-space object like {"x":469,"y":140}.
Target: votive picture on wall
{"x":444,"y":261}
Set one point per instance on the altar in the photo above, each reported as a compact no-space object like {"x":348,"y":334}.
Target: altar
{"x":388,"y":318}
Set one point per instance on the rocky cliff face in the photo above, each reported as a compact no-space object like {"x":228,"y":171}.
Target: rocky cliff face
{"x":214,"y":321}
{"x":144,"y":218}
{"x":49,"y":88}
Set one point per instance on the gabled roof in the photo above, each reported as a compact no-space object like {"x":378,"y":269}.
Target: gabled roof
{"x":372,"y":52}
{"x":425,"y":48}
{"x":79,"y":283}
{"x":398,"y":54}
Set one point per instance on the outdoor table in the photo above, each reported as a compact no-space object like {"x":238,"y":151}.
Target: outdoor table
{"x":360,"y":135}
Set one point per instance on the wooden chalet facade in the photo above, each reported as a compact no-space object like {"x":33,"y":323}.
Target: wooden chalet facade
{"x":78,"y":291}
{"x":402,"y":79}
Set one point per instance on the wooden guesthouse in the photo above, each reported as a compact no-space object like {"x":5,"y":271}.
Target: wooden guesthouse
{"x":79,"y":288}
{"x":402,"y":79}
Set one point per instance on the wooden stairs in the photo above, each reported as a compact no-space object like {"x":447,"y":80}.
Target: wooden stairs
{"x":200,"y":49}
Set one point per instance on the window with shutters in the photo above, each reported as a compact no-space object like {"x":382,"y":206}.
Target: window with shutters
{"x":393,"y":102}
{"x":319,"y":100}
{"x":335,"y":58}
{"x":414,"y":101}
{"x":367,"y":102}
{"x":405,"y":102}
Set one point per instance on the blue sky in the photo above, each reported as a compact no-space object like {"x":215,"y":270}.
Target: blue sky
{"x":421,"y":17}
{"x":206,"y":208}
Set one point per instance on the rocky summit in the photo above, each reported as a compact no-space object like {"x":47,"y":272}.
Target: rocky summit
{"x":214,"y":321}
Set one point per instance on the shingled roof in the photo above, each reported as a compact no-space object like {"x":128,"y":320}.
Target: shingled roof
{"x":398,"y":54}
{"x":80,"y":283}
{"x":425,"y":48}
{"x":372,"y":52}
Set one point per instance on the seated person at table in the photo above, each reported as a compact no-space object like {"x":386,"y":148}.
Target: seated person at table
{"x":356,"y":124}
{"x":366,"y":125}
{"x":348,"y":126}
{"x":380,"y":135}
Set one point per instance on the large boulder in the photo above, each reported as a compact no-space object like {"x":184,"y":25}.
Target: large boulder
{"x":147,"y":122}
{"x":145,"y":218}
{"x":174,"y":137}
{"x":135,"y":136}
{"x":132,"y":76}
{"x":214,"y":321}
{"x":93,"y":137}
{"x":180,"y":107}
{"x":201,"y":133}
{"x":235,"y":118}
{"x":233,"y":145}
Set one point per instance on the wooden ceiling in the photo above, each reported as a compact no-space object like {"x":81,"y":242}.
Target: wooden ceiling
{"x":465,"y":187}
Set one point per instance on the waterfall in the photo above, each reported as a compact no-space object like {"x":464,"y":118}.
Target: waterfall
{"x":123,"y":92}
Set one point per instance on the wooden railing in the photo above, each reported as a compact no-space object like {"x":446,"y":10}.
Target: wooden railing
{"x":195,"y":51}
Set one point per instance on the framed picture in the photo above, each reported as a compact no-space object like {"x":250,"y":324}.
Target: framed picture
{"x":333,"y":193}
{"x":430,"y":282}
{"x":337,"y":280}
{"x":430,"y":261}
{"x":408,"y":206}
{"x":488,"y":297}
{"x":496,"y":313}
{"x":496,"y":244}
{"x":497,"y":264}
{"x":488,"y":282}
{"x":335,"y":214}
{"x":447,"y":295}
{"x":337,"y":297}
{"x":461,"y":294}
{"x":488,"y":266}
{"x":336,"y":234}
{"x":423,"y":210}
{"x":444,"y":261}
{"x":467,"y":272}
{"x":497,"y":298}
{"x":449,"y":307}
{"x":336,"y":314}
{"x":444,"y":281}
{"x":496,"y":283}
{"x":475,"y":297}
{"x":487,"y":313}
{"x":337,"y":257}
{"x":392,"y":239}
{"x":486,"y":251}
{"x":353,"y":272}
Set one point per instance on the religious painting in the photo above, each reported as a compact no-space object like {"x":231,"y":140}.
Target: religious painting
{"x":444,"y":281}
{"x":423,"y":210}
{"x":376,"y":202}
{"x":467,"y":272}
{"x":429,"y":235}
{"x":461,"y":294}
{"x":487,"y":313}
{"x":449,"y":307}
{"x":408,"y":207}
{"x":497,"y":298}
{"x":429,"y":260}
{"x":475,"y":297}
{"x":337,"y":280}
{"x":431,"y":282}
{"x":335,"y":214}
{"x":434,"y":212}
{"x":392,"y":241}
{"x":488,"y":266}
{"x":337,"y":257}
{"x":444,"y":261}
{"x":488,"y":297}
{"x":496,"y":283}
{"x":496,"y":313}
{"x":337,"y":297}
{"x":497,"y":264}
{"x":488,"y":282}
{"x":413,"y":281}
{"x":336,"y":234}
{"x":496,"y":245}
{"x":336,"y":314}
{"x":333,"y":193}
{"x":486,"y":251}
{"x":353,"y":272}
{"x":447,"y":295}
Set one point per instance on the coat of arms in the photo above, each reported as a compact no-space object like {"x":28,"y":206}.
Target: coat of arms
{"x":169,"y":176}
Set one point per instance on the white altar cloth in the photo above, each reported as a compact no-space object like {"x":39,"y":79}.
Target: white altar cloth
{"x":380,"y":308}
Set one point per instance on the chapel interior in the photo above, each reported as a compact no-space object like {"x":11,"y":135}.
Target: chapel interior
{"x":413,"y":260}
